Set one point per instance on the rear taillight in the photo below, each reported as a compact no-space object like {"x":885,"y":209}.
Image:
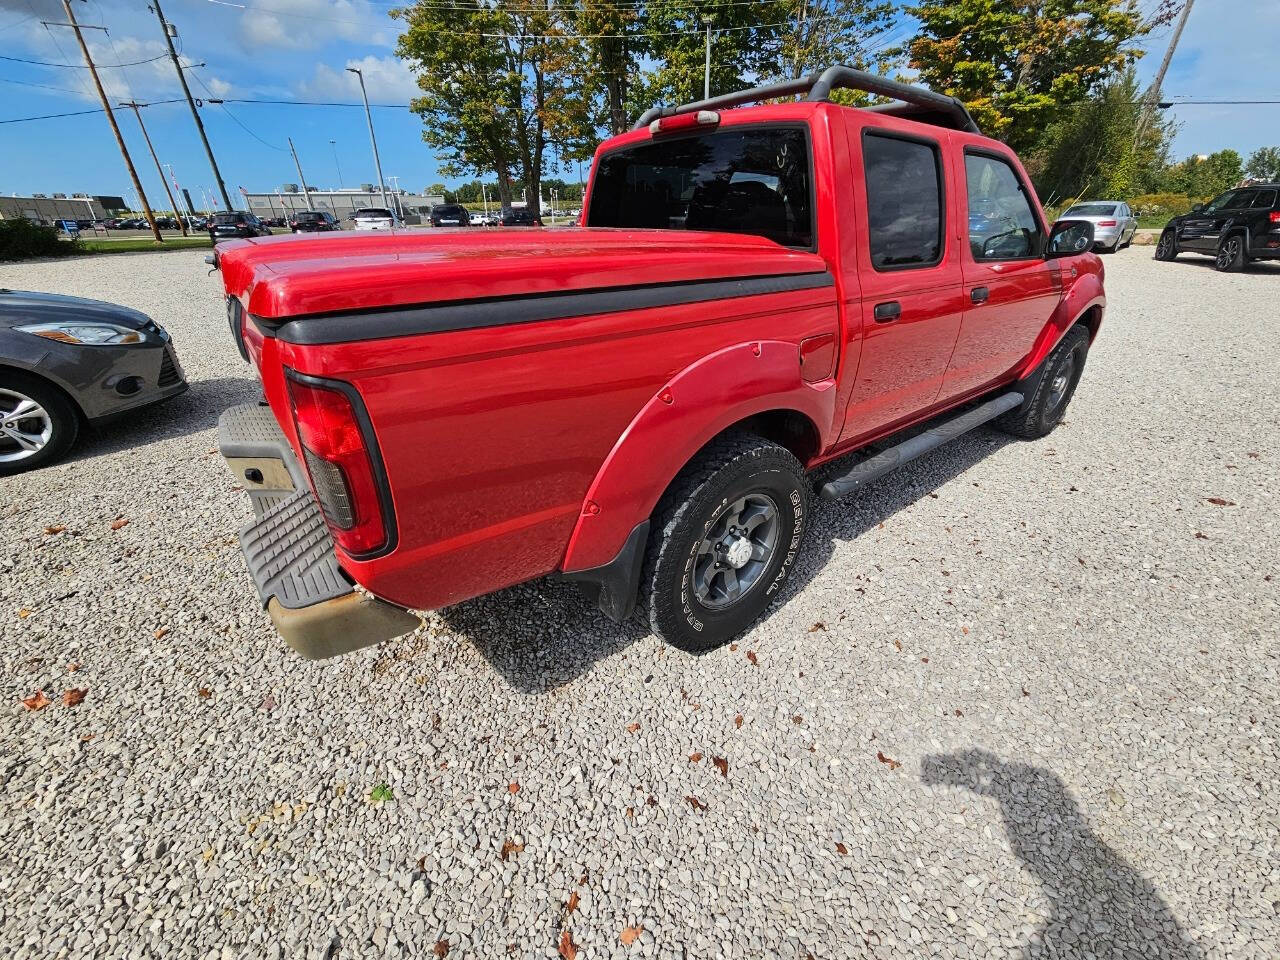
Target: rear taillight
{"x":684,"y":121}
{"x":342,"y":462}
{"x":1106,"y":223}
{"x":1274,"y":216}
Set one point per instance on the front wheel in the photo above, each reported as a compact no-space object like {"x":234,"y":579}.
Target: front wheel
{"x":1230,"y":256}
{"x":38,"y":424}
{"x":726,"y":536}
{"x":1166,"y":246}
{"x":1051,"y":390}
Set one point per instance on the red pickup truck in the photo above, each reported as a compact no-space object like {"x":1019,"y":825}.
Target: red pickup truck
{"x":639,"y":403}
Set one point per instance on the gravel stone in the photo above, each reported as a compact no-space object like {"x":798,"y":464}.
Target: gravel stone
{"x":1084,"y":766}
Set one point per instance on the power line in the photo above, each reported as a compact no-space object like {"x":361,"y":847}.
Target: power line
{"x":29,"y":83}
{"x":72,"y":113}
{"x":81,"y":66}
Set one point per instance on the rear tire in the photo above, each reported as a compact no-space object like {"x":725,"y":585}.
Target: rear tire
{"x":51,"y":424}
{"x":726,"y":536}
{"x":1053,"y":389}
{"x":1230,"y":256}
{"x":1167,"y":246}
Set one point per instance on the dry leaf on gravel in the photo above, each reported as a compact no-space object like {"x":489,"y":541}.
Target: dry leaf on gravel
{"x":633,"y":727}
{"x":568,"y":949}
{"x":722,"y":765}
{"x":842,"y":849}
{"x":161,"y":633}
{"x":751,"y":655}
{"x":629,"y":935}
{"x":888,"y":761}
{"x":24,"y":613}
{"x":1219,"y":502}
{"x":513,"y":787}
{"x":572,"y":903}
{"x":695,"y":757}
{"x":797,"y":719}
{"x":696,"y":803}
{"x":72,"y":667}
{"x":55,"y":528}
{"x":737,"y":721}
{"x":510,"y":848}
{"x":204,"y":693}
{"x":897,"y":643}
{"x":37,"y":701}
{"x":74,"y":697}
{"x":119,"y":522}
{"x":441,"y":948}
{"x":818,"y":626}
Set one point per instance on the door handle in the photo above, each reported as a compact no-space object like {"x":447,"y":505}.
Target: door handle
{"x":979,"y":294}
{"x":888,"y":312}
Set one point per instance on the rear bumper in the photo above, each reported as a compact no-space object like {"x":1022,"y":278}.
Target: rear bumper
{"x":289,"y":551}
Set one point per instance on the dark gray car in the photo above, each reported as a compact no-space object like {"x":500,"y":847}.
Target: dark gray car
{"x":64,"y":362}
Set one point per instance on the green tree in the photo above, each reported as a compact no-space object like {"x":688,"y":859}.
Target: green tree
{"x":1264,"y":164}
{"x":1207,"y":176}
{"x":1020,"y":65}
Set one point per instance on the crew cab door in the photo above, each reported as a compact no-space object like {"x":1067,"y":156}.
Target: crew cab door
{"x":909,"y":276}
{"x":1202,"y":230}
{"x":1010,"y":289}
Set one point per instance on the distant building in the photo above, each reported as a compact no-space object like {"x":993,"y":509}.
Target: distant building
{"x":45,"y":209}
{"x":413,"y":207}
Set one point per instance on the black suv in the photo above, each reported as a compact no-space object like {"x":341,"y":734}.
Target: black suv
{"x":313,"y":221}
{"x":450,"y":215}
{"x":519,"y":217}
{"x":1238,"y":226}
{"x":236,"y":224}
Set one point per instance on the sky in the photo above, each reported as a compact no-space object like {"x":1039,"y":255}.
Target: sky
{"x":300,"y":49}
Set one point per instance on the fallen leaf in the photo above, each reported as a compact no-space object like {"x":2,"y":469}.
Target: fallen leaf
{"x":651,"y":800}
{"x":268,"y":704}
{"x":965,"y":631}
{"x":631,"y":812}
{"x":751,"y":655}
{"x":695,"y":757}
{"x":204,"y":693}
{"x":24,"y":613}
{"x":1252,"y":455}
{"x":37,"y":701}
{"x":1201,"y":536}
{"x":568,"y":949}
{"x":119,"y":522}
{"x":818,"y":626}
{"x":737,"y":721}
{"x":696,"y":803}
{"x":733,"y":648}
{"x":510,"y":848}
{"x":633,"y":727}
{"x":73,"y":697}
{"x":1026,"y":692}
{"x":722,"y":765}
{"x":629,"y":934}
{"x":959,"y":712}
{"x":797,"y":719}
{"x":56,"y":528}
{"x":72,"y":667}
{"x":889,"y":761}
{"x":897,"y":643}
{"x":842,"y":849}
{"x":1219,"y":502}
{"x":513,"y":787}
{"x":924,"y":659}
{"x":86,"y":737}
{"x":161,"y":633}
{"x":441,"y":948}
{"x":572,"y":905}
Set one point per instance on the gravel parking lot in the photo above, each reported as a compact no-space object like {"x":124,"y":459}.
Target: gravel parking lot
{"x":1019,"y":702}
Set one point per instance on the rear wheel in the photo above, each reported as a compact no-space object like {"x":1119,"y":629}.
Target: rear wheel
{"x":1166,"y":246}
{"x":725,"y":538}
{"x":38,"y":424}
{"x":1230,"y":256}
{"x":1052,"y":390}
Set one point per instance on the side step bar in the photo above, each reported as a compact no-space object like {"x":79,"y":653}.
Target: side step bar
{"x":873,"y":468}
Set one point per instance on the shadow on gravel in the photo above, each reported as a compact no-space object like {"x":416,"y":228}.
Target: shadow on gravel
{"x":1101,"y":906}
{"x":197,"y":409}
{"x":544,"y":634}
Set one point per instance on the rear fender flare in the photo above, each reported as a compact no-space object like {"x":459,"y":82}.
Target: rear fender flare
{"x":694,"y":406}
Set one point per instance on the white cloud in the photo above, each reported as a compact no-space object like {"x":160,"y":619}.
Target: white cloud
{"x":308,"y":24}
{"x":386,"y":80}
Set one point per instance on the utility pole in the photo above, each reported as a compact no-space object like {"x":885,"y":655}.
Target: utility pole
{"x":111,"y":118}
{"x":1153,"y":92}
{"x":706,"y":72}
{"x":372,"y":139}
{"x":165,"y":28}
{"x":306,"y":192}
{"x":336,"y":164}
{"x":177,"y":214}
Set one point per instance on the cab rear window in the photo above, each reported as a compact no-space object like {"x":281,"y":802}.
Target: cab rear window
{"x":753,"y":180}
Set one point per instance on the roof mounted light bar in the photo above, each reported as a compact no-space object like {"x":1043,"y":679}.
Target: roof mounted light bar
{"x":928,"y":106}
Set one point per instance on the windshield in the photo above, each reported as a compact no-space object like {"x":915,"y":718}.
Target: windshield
{"x":228,"y":218}
{"x":1091,"y":210}
{"x":1222,"y":202}
{"x":374,"y":212}
{"x":752,"y":180}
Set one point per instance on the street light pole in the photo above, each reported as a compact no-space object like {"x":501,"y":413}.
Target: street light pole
{"x":165,"y":28}
{"x":372,"y":139}
{"x":706,"y":71}
{"x":177,"y":214}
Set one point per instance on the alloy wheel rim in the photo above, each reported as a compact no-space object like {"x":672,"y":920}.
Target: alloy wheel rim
{"x":1163,"y":249}
{"x":736,"y":550}
{"x":25,"y":426}
{"x":1061,"y":380}
{"x":1228,"y":252}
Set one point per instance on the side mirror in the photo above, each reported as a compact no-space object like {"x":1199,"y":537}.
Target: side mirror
{"x":1068,"y":238}
{"x":1197,"y":207}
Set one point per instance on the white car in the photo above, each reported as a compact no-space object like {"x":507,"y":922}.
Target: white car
{"x":1114,"y":224}
{"x":374,"y":218}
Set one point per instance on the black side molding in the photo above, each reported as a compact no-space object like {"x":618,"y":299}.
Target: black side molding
{"x":616,"y":585}
{"x":873,"y":468}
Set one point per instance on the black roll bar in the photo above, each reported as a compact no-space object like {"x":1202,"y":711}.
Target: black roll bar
{"x":819,"y":87}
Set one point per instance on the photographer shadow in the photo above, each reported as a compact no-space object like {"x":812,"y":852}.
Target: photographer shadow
{"x":1100,"y":905}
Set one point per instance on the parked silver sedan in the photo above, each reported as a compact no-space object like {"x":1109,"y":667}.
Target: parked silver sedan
{"x":1113,"y":222}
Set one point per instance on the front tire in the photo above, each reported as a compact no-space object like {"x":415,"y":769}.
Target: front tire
{"x":1166,"y":246}
{"x":1230,"y":256}
{"x":726,"y":536}
{"x":1052,"y":390}
{"x":38,"y":424}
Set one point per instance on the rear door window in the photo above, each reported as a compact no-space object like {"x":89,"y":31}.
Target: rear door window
{"x":1002,"y":225}
{"x":904,"y":201}
{"x":753,"y":180}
